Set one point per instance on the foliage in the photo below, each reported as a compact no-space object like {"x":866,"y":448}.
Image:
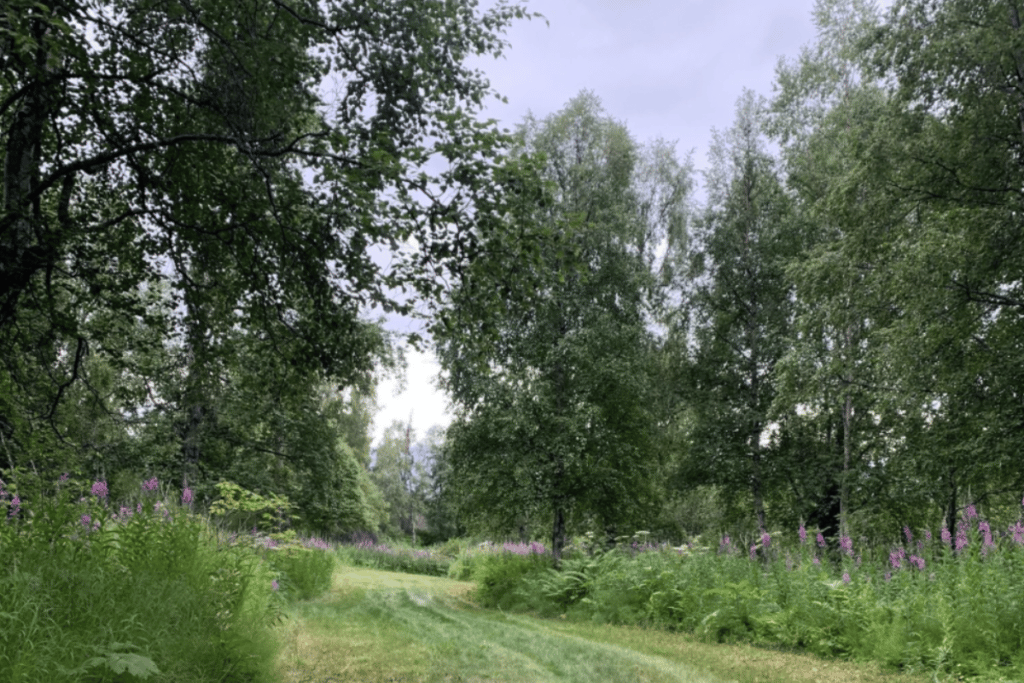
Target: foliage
{"x":90,"y":590}
{"x":395,"y":558}
{"x":941,"y":604}
{"x":553,"y":421}
{"x":239,"y":509}
{"x":305,"y":573}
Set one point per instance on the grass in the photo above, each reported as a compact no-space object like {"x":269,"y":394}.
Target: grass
{"x":376,"y":626}
{"x":94,"y":592}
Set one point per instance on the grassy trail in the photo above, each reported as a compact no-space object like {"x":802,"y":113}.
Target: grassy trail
{"x":376,"y":626}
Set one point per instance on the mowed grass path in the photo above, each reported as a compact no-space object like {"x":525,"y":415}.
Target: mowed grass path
{"x":375,"y":626}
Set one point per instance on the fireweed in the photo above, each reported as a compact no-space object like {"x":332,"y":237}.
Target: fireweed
{"x":91,"y":587}
{"x":942,"y":604}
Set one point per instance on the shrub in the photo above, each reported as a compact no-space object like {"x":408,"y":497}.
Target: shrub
{"x":305,"y":572}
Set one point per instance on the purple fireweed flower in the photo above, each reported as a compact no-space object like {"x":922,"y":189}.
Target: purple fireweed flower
{"x":64,"y":477}
{"x":138,"y":508}
{"x":970,"y":512}
{"x":15,"y":507}
{"x":803,"y":534}
{"x":920,"y":546}
{"x":537,"y":548}
{"x":186,"y":496}
{"x":917,"y":562}
{"x":817,"y":561}
{"x":961,"y":541}
{"x":927,"y":535}
{"x":274,"y":585}
{"x":766,"y":540}
{"x":125,"y":513}
{"x":1018,"y":532}
{"x":846,"y":543}
{"x":846,"y":577}
{"x":894,"y":560}
{"x":906,"y":532}
{"x":901,"y":552}
{"x":86,"y":521}
{"x":99,"y":489}
{"x":150,"y":485}
{"x":753,"y":551}
{"x":821,"y":540}
{"x":946,"y":538}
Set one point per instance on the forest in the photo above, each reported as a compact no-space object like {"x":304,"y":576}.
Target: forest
{"x":198,"y":252}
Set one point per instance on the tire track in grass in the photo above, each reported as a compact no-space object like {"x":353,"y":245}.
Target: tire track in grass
{"x":380,"y":626}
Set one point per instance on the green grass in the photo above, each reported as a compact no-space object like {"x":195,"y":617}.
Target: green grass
{"x":376,"y":626}
{"x":94,"y":593}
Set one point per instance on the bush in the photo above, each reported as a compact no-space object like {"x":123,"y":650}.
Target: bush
{"x":395,"y":559}
{"x":500,"y":576}
{"x":305,"y":572}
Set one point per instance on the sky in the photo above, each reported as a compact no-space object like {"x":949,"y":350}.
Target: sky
{"x":670,"y":69}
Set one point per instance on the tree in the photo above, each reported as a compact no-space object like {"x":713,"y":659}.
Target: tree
{"x":740,"y":310}
{"x":829,"y":116}
{"x":185,"y":148}
{"x":401,"y":476}
{"x":554,"y":421}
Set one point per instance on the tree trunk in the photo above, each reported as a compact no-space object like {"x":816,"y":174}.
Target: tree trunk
{"x":558,"y":534}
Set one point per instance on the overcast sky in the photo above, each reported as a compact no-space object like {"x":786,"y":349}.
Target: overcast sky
{"x":666,"y":68}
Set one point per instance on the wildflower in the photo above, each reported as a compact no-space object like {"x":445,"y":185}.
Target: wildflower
{"x":946,"y":538}
{"x":186,"y":496}
{"x":125,"y":513}
{"x":970,"y":512}
{"x":766,"y":540}
{"x":961,"y":541}
{"x":817,"y":561}
{"x":64,"y":477}
{"x":894,"y":560}
{"x":917,"y":562}
{"x":803,"y":534}
{"x":274,"y":585}
{"x":138,"y":508}
{"x":15,"y":507}
{"x":99,"y":489}
{"x":1018,"y":533}
{"x":927,"y":535}
{"x":821,"y":540}
{"x":846,"y":543}
{"x":846,"y":577}
{"x":86,"y":521}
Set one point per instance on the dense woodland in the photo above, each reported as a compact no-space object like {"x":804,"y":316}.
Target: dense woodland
{"x":197,"y":249}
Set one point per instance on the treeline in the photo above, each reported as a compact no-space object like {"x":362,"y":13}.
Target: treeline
{"x":832,"y":335}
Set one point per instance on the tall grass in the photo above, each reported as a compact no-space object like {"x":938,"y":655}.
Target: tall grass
{"x":94,"y":591}
{"x":950,"y":605}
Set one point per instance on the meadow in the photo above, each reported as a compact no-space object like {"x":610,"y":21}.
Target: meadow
{"x":147,"y":589}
